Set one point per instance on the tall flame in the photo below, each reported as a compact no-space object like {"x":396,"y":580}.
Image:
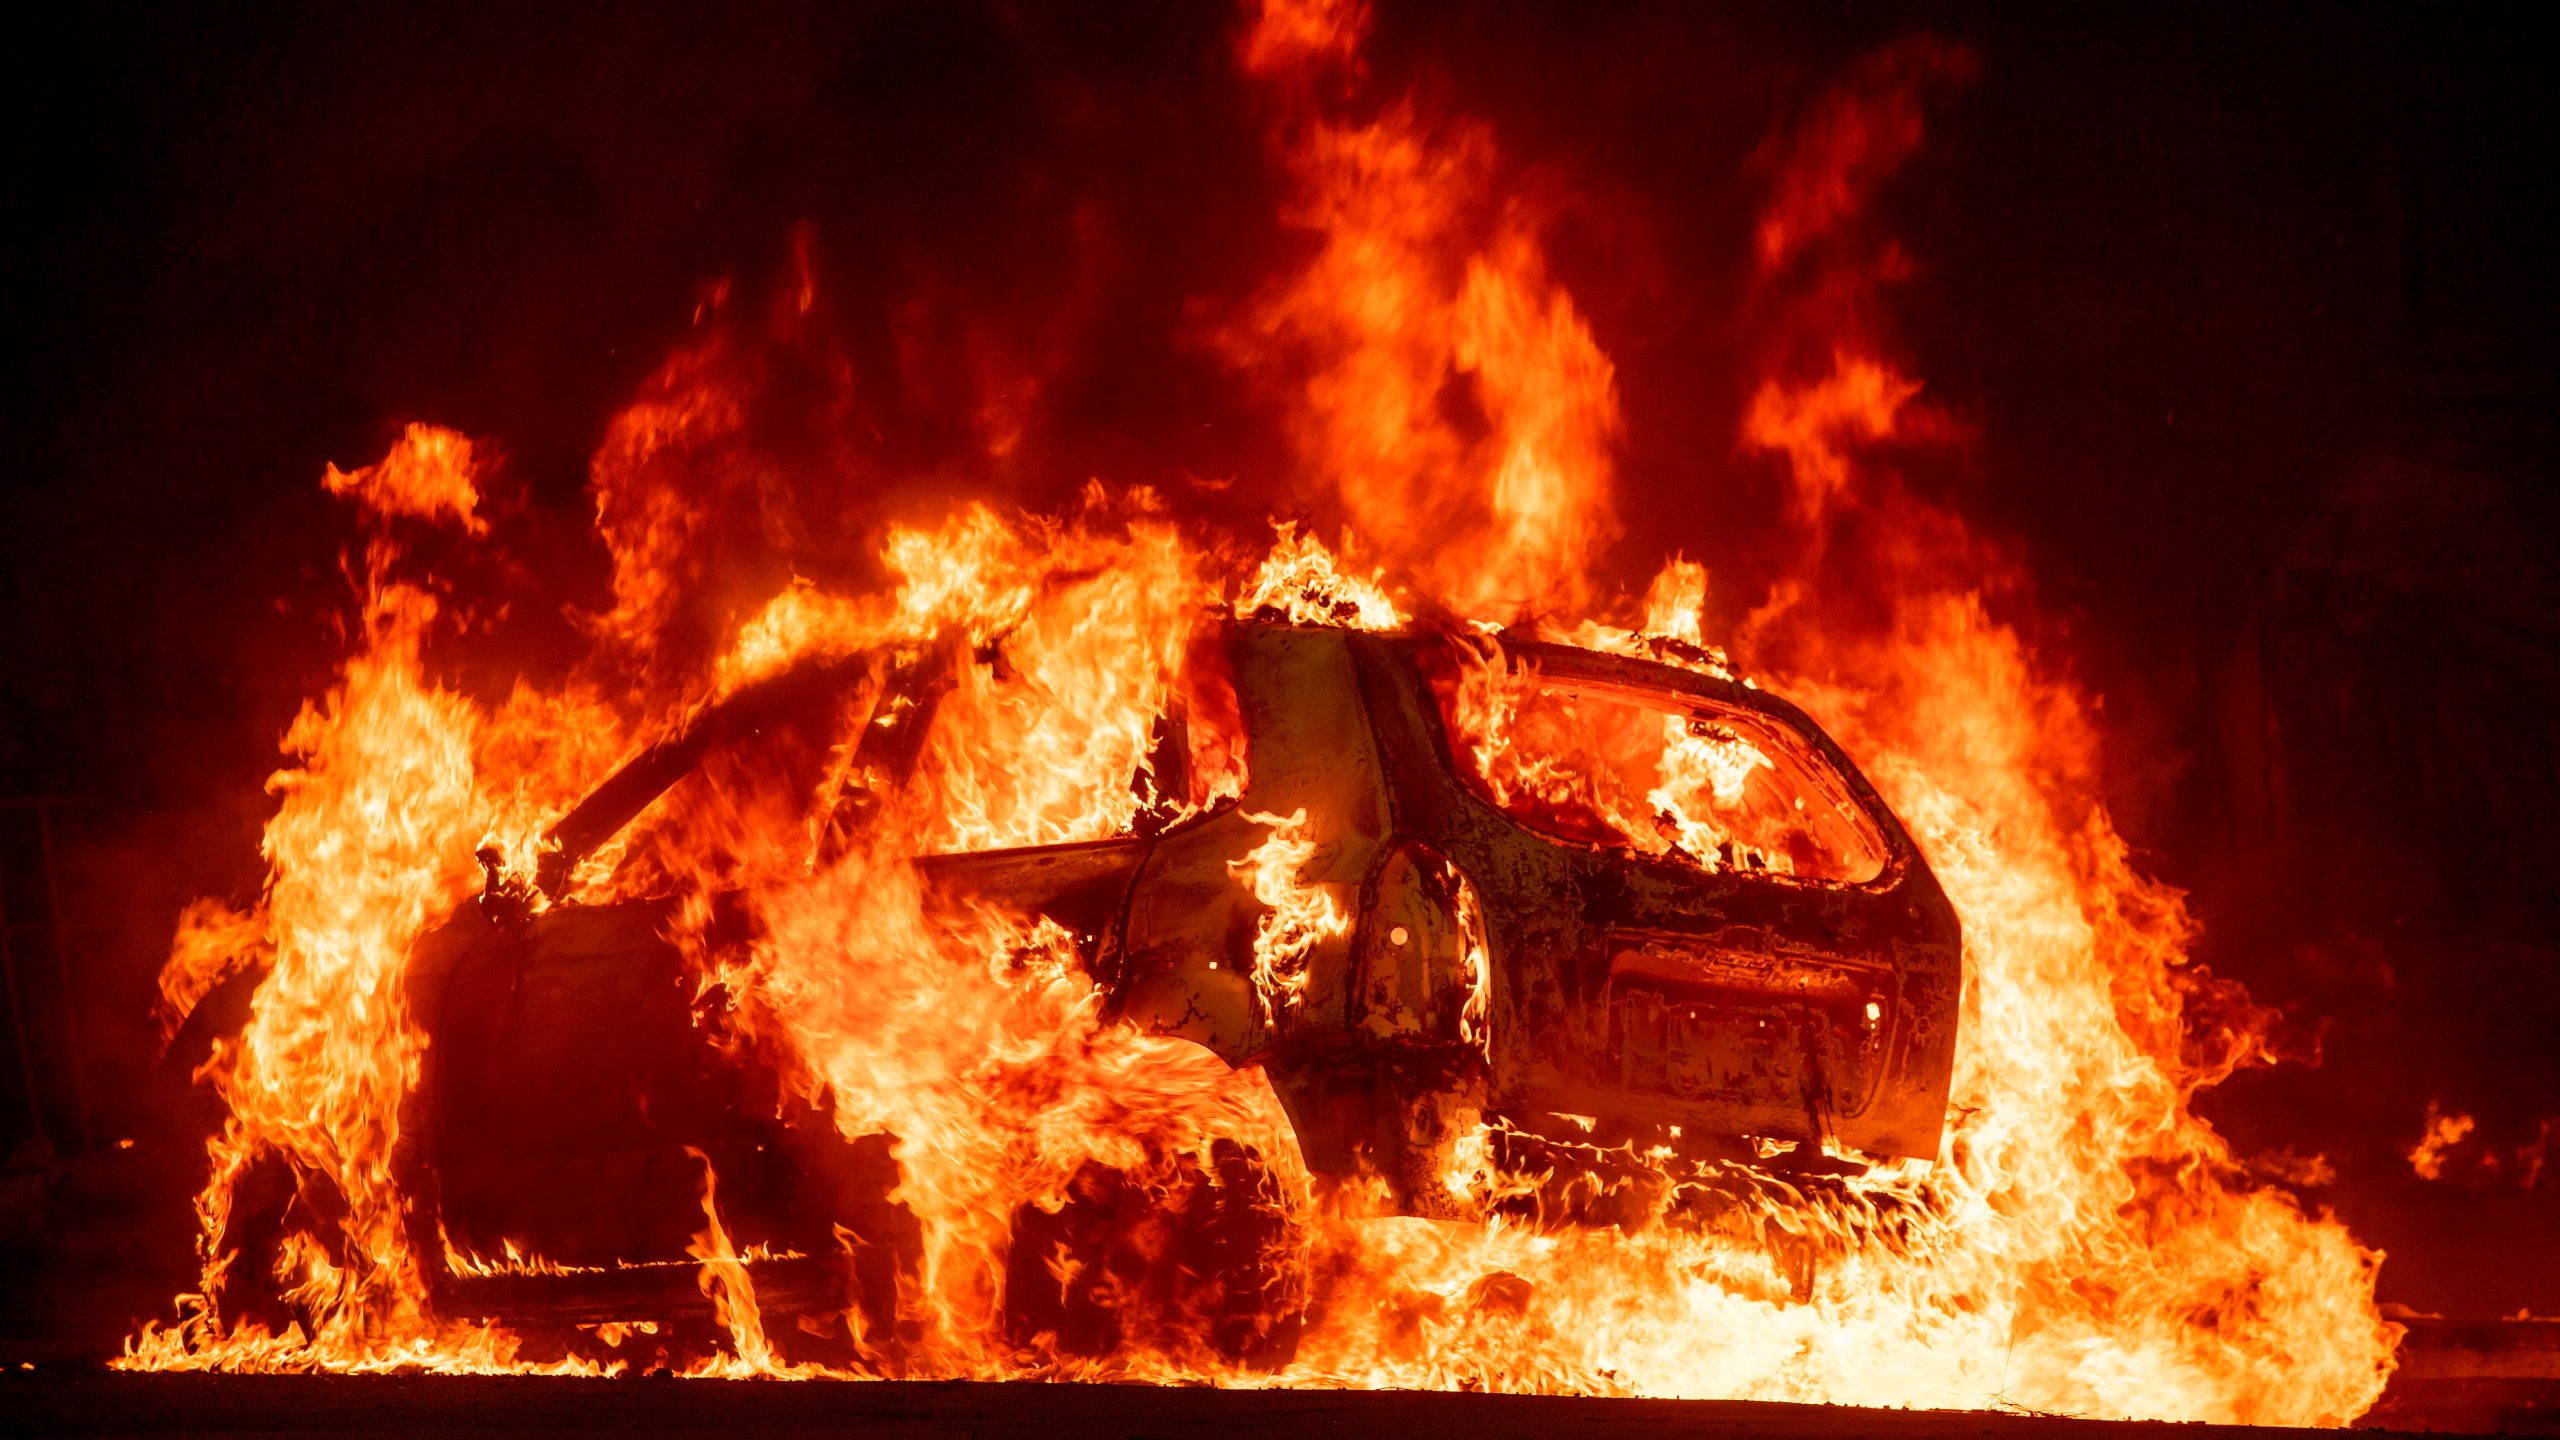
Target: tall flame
{"x":1436,"y":377}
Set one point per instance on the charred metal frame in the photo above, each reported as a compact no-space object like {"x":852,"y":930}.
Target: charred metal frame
{"x":1643,"y":994}
{"x":1625,"y":987}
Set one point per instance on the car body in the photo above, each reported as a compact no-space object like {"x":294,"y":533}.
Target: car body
{"x":1490,"y":968}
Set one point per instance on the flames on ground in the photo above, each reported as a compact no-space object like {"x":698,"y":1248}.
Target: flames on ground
{"x":2084,"y":1242}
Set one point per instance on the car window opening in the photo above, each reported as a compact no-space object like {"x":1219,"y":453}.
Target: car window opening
{"x":1653,"y":770}
{"x":888,"y":745}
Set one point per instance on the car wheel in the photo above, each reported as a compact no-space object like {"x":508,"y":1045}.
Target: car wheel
{"x":1193,"y":1259}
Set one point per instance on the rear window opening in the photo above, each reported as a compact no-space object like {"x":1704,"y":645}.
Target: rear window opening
{"x":1652,"y":770}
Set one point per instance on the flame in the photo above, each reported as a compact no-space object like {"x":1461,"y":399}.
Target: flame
{"x":1817,"y":425}
{"x":1863,"y":130}
{"x":732,"y":1292}
{"x":1435,"y":377}
{"x":1301,"y":582}
{"x":371,"y":840}
{"x":213,"y":943}
{"x":429,"y":473}
{"x":1298,"y":915}
{"x":2445,"y":1129}
{"x":2452,"y":1145}
{"x":1475,"y":1016}
{"x":2084,"y":1242}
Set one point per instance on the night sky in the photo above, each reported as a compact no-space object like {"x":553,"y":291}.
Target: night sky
{"x":2251,"y":322}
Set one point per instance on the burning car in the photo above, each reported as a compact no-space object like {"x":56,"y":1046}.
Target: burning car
{"x":1454,"y":884}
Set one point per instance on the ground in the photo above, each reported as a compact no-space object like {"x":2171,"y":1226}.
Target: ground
{"x":93,"y":1403}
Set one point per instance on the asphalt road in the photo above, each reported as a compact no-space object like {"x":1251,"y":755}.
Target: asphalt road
{"x":92,"y":1403}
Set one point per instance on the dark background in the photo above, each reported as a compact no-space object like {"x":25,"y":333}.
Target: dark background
{"x":2251,"y":319}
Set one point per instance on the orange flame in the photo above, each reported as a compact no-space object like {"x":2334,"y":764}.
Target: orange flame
{"x":428,"y":473}
{"x":2444,"y":1131}
{"x":1436,"y":379}
{"x":1300,"y":581}
{"x":732,"y":1292}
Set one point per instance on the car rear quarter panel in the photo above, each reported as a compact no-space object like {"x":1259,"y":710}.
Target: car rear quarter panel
{"x":1651,"y":989}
